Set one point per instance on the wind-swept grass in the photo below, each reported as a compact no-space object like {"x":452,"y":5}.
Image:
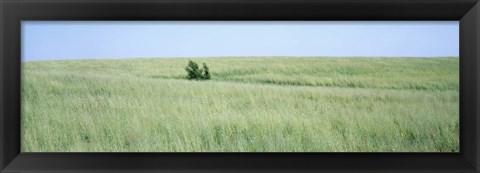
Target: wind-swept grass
{"x":252,"y":104}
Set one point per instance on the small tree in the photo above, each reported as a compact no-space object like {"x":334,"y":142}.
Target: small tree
{"x":195,"y":73}
{"x":206,"y":74}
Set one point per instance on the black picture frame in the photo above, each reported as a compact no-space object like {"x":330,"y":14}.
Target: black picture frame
{"x":14,"y":11}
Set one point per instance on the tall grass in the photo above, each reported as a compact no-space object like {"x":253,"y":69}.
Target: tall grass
{"x":252,"y":104}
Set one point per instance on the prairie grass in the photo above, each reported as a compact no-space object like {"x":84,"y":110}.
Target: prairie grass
{"x":252,"y":104}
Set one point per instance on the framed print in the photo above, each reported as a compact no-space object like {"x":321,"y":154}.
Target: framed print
{"x":248,"y":86}
{"x":240,"y":86}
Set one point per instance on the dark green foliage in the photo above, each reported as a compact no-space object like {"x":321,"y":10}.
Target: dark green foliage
{"x":192,"y":70}
{"x":195,"y":73}
{"x":206,"y":74}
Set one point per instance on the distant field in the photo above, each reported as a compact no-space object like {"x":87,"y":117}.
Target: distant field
{"x":252,"y":104}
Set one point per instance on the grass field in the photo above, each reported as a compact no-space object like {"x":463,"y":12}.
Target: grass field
{"x":252,"y":104}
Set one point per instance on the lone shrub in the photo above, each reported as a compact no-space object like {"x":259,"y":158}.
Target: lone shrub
{"x":206,"y":74}
{"x":192,"y":70}
{"x":195,"y":73}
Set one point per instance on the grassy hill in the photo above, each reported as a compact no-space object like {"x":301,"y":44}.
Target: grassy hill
{"x":252,"y":104}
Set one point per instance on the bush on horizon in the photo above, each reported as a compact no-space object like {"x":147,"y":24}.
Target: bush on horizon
{"x":195,"y":73}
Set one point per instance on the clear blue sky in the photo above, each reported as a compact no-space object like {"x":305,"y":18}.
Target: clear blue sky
{"x":42,"y":40}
